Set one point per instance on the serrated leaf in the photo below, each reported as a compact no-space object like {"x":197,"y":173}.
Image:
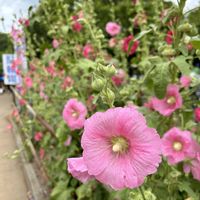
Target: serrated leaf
{"x":182,"y":65}
{"x":161,"y":76}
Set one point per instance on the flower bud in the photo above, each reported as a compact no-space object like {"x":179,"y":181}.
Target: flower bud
{"x":98,"y":84}
{"x":108,"y":96}
{"x":186,"y":27}
{"x":110,"y":70}
{"x":168,"y":52}
{"x":198,"y":52}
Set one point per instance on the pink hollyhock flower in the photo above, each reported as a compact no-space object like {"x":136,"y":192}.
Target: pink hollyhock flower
{"x":177,"y":145}
{"x":38,"y":136}
{"x":24,"y":22}
{"x":149,"y":104}
{"x":126,"y":42}
{"x":55,"y":43}
{"x":193,"y":164}
{"x":169,"y":37}
{"x":68,"y":141}
{"x":22,"y":102}
{"x":16,"y":62}
{"x":185,"y":81}
{"x":68,"y":82}
{"x":88,"y":51}
{"x":42,"y":153}
{"x":113,"y":28}
{"x":197,"y":114}
{"x":112,"y":42}
{"x":51,"y":69}
{"x":119,"y":149}
{"x":77,"y":26}
{"x":170,"y":103}
{"x":78,"y":169}
{"x":119,"y":77}
{"x":74,"y":114}
{"x":17,"y":35}
{"x":28,"y":81}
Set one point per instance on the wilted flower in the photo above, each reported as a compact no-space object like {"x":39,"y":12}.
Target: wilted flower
{"x":169,"y":37}
{"x":38,"y":136}
{"x":88,"y":51}
{"x":185,"y":81}
{"x":55,"y":43}
{"x":119,"y":77}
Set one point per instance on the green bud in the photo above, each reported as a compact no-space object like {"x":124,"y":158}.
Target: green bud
{"x":198,"y":52}
{"x":168,"y":52}
{"x":108,"y":96}
{"x":186,"y":27}
{"x":64,"y":29}
{"x":98,"y":84}
{"x":110,"y":70}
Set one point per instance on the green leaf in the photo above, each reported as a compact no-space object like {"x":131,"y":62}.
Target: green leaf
{"x":195,"y":43}
{"x":161,"y":79}
{"x":185,"y":186}
{"x":182,"y":65}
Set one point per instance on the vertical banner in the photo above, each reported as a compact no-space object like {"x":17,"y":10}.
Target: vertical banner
{"x":10,"y":76}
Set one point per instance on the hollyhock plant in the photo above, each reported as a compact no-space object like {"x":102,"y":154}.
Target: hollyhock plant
{"x":177,"y":145}
{"x":119,"y":149}
{"x":16,"y":62}
{"x":126,"y":42}
{"x":74,"y":114}
{"x":119,"y":78}
{"x":170,"y":103}
{"x":112,"y":28}
{"x":38,"y":136}
{"x":68,"y":82}
{"x":185,"y":81}
{"x":78,"y":169}
{"x":197,"y":114}
{"x":28,"y":81}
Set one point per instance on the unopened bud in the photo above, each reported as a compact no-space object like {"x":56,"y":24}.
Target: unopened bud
{"x":186,"y":27}
{"x":98,"y":84}
{"x":108,"y":96}
{"x":168,"y":52}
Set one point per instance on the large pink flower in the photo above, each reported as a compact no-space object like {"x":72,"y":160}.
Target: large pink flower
{"x":170,"y":103}
{"x":78,"y":169}
{"x":119,"y":149}
{"x":126,"y":43}
{"x":177,"y":145}
{"x":74,"y":114}
{"x":113,"y":28}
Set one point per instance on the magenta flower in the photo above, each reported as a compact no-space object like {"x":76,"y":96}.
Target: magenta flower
{"x":170,"y":103}
{"x":177,"y":145}
{"x":113,"y":28}
{"x":185,"y":81}
{"x":78,"y":169}
{"x":169,"y":37}
{"x":38,"y":136}
{"x":126,"y":42}
{"x":119,"y":77}
{"x":197,"y":114}
{"x":28,"y":82}
{"x":74,"y":114}
{"x":88,"y":51}
{"x":119,"y":149}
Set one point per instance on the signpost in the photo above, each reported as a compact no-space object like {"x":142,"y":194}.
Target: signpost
{"x":10,"y":75}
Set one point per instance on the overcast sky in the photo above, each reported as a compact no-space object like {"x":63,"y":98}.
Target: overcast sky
{"x":10,"y":7}
{"x":19,"y":7}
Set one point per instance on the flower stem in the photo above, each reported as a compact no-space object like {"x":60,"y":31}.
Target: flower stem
{"x":142,"y":193}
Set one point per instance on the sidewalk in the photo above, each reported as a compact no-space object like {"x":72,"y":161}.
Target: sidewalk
{"x":12,"y":180}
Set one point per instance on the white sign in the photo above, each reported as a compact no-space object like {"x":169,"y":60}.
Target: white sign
{"x":10,"y":76}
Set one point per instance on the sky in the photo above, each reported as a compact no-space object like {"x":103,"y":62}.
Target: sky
{"x":20,"y":7}
{"x":10,"y":7}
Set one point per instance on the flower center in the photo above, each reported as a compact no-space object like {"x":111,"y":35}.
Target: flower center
{"x":119,"y":144}
{"x":171,"y":100}
{"x":177,"y":146}
{"x":74,"y":114}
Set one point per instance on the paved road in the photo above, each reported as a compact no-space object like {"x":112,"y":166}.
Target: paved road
{"x":12,"y":181}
